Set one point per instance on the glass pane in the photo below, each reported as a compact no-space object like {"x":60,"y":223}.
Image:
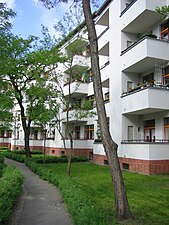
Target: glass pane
{"x":167,"y":133}
{"x":130,"y":133}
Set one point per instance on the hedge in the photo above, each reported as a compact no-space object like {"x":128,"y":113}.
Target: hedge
{"x":41,"y":159}
{"x":10,"y":189}
{"x":22,"y":152}
{"x":17,"y":157}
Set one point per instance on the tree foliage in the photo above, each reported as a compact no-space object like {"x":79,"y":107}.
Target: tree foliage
{"x":24,"y":68}
{"x":5,"y":15}
{"x":163,"y":11}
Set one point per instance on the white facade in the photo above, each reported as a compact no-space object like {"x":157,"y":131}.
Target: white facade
{"x":134,"y":69}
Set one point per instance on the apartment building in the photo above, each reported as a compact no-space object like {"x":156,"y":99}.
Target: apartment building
{"x":133,"y":42}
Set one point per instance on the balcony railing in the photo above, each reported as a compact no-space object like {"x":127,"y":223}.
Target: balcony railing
{"x":142,"y":141}
{"x":145,"y":86}
{"x":103,"y":32}
{"x":79,"y":139}
{"x":104,"y":65}
{"x":128,"y":6}
{"x":140,"y":40}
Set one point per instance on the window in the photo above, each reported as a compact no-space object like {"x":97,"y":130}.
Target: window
{"x":106,"y":162}
{"x":34,"y":134}
{"x":149,"y":130}
{"x":166,"y":77}
{"x":166,"y":128}
{"x":164,"y":30}
{"x":130,"y":133}
{"x":62,"y":152}
{"x":125,"y":166}
{"x":89,"y":132}
{"x":77,"y":132}
{"x":9,"y":134}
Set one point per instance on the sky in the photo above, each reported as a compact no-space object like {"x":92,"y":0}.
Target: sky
{"x":31,"y":14}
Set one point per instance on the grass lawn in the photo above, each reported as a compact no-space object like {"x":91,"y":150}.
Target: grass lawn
{"x":148,"y":195}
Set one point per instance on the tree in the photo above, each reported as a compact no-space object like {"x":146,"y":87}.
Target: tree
{"x":70,"y":105}
{"x":121,"y":202}
{"x":23,"y":66}
{"x":5,"y":106}
{"x":5,"y":15}
{"x":45,"y":111}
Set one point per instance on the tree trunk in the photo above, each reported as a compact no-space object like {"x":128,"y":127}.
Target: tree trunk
{"x":121,"y":202}
{"x":44,"y":147}
{"x":27,"y":149}
{"x":69,"y":156}
{"x":26,"y":129}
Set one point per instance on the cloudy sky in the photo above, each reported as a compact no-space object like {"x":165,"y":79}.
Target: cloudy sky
{"x":31,"y":14}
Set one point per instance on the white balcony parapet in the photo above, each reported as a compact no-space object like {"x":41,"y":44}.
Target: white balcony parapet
{"x":146,"y":151}
{"x":104,"y":31}
{"x":81,"y":60}
{"x":74,"y":115}
{"x":77,"y":88}
{"x":147,"y":100}
{"x":137,"y":12}
{"x":141,"y":56}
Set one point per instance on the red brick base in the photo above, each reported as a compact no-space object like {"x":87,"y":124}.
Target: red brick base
{"x":99,"y":159}
{"x":148,"y":167}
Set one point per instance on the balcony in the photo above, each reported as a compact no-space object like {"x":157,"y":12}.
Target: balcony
{"x":146,"y":100}
{"x":103,"y":38}
{"x":139,"y":11}
{"x":77,"y":89}
{"x":105,"y":71}
{"x":81,"y":60}
{"x":75,"y":115}
{"x":140,"y":149}
{"x":103,"y":42}
{"x":103,"y":20}
{"x":81,"y":144}
{"x":143,"y":54}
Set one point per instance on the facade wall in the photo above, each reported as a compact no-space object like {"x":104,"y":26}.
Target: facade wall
{"x":127,"y":57}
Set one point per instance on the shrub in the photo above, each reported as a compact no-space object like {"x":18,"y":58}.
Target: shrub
{"x":48,"y":159}
{"x":1,"y":158}
{"x":22,"y":152}
{"x":10,"y":188}
{"x":60,"y":159}
{"x":11,"y":155}
{"x":2,"y":165}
